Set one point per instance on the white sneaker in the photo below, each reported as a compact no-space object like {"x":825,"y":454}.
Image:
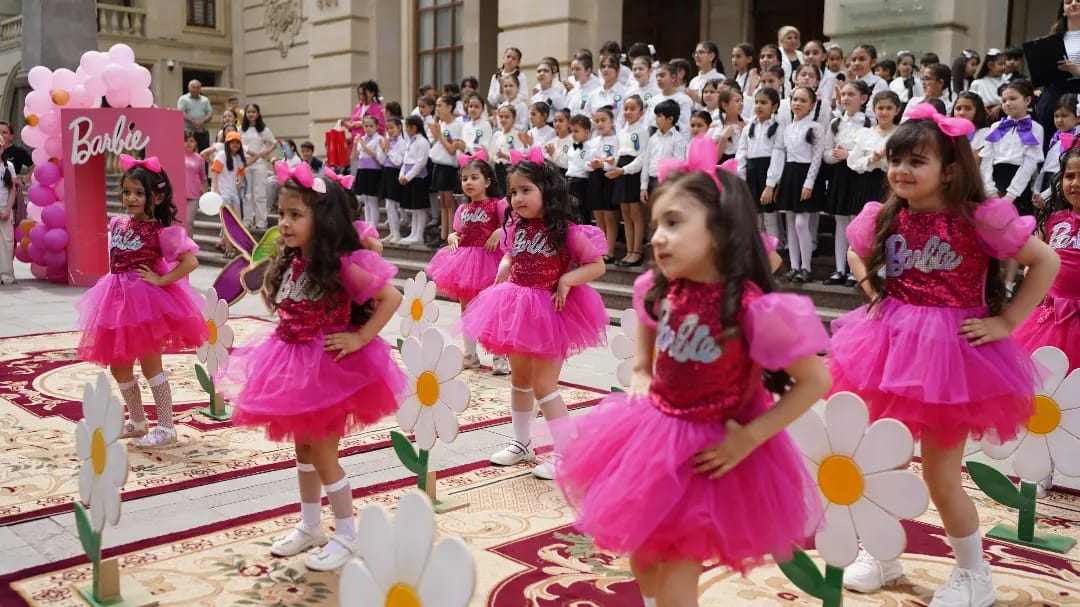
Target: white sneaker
{"x":333,"y":555}
{"x":470,"y":361}
{"x":867,"y":574}
{"x":514,"y":453}
{"x":966,"y":588}
{"x":546,"y":471}
{"x":500,"y":365}
{"x":391,"y":239}
{"x":298,"y":540}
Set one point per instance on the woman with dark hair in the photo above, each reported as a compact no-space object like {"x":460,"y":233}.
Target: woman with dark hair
{"x":20,"y":158}
{"x":1067,"y":25}
{"x":259,"y":143}
{"x":368,"y":104}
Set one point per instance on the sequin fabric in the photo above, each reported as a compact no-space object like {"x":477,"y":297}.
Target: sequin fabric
{"x":478,"y":221}
{"x":698,"y":377}
{"x":933,"y":259}
{"x":303,"y":318}
{"x":1063,"y":236}
{"x":133,"y":243}
{"x":536,"y":263}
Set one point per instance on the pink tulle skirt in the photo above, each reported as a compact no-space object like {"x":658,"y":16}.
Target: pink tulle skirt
{"x":462,"y":274}
{"x":628,"y":471}
{"x":1056,"y":322}
{"x":124,"y":318}
{"x":910,"y":363}
{"x":299,"y":393}
{"x":512,"y":319}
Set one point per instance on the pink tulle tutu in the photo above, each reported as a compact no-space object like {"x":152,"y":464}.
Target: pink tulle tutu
{"x":311,"y":396}
{"x":1056,"y":322}
{"x":910,"y":363}
{"x":628,"y":471}
{"x":511,"y":319}
{"x":124,"y":318}
{"x":462,"y":274}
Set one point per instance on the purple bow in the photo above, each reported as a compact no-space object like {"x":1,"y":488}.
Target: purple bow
{"x":701,"y":156}
{"x":1023,"y":130}
{"x":953,"y":127}
{"x":151,"y":164}
{"x":346,"y":181}
{"x":533,"y":155}
{"x":301,"y":173}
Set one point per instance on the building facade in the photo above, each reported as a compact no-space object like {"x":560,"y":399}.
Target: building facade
{"x":300,"y":60}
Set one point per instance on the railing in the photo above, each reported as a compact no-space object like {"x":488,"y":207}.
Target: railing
{"x":11,"y":29}
{"x":114,"y":20}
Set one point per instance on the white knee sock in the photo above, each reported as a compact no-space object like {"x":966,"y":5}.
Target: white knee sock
{"x":159,"y":387}
{"x":840,"y":242}
{"x":521,"y":421}
{"x":339,"y":495}
{"x":393,"y":217}
{"x":371,"y":210}
{"x":133,"y":400}
{"x":968,"y":550}
{"x":419,"y":221}
{"x":806,"y":238}
{"x":433,"y":202}
{"x":794,"y":252}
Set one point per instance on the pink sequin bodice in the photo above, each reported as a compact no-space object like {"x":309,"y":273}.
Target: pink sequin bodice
{"x":478,"y":220}
{"x":933,"y":259}
{"x":303,"y":318}
{"x":1063,"y":236}
{"x":133,"y":243}
{"x":697,"y":376}
{"x":536,"y":262}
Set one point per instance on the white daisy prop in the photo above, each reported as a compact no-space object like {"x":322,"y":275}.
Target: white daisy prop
{"x":418,"y":309}
{"x":623,"y":346}
{"x":860,"y":470}
{"x":436,"y":393}
{"x":214,"y":352}
{"x":401,"y":563}
{"x":1049,"y":441}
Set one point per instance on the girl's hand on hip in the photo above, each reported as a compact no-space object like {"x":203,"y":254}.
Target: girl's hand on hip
{"x":720,"y":458}
{"x":561,"y":291}
{"x":150,"y":276}
{"x":345,"y":343}
{"x":979,"y":331}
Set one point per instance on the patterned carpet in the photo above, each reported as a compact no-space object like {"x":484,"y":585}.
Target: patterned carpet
{"x":41,"y":387}
{"x":527,"y":554}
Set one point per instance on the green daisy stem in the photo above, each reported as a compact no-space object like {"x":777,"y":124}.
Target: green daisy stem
{"x":422,"y":474}
{"x":833,"y":590}
{"x":1025,"y":528}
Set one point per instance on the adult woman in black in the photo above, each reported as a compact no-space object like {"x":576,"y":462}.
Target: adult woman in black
{"x":1067,"y":26}
{"x":23,"y":163}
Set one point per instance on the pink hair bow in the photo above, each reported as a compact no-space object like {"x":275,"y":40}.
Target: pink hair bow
{"x":151,"y":164}
{"x":346,"y":181}
{"x":953,"y":127}
{"x":1068,"y":142}
{"x":464,"y":159}
{"x":301,"y":173}
{"x":533,"y":155}
{"x":701,"y":156}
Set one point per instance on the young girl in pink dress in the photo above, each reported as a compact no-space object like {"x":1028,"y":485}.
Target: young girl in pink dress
{"x":323,"y":371}
{"x":470,"y":263}
{"x":661,"y":474}
{"x":541,"y":311}
{"x":932,"y":348}
{"x":144,"y":305}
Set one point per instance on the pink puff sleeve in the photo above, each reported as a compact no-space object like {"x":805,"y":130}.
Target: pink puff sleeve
{"x":506,"y":244}
{"x":1000,"y":231}
{"x":175,"y":242}
{"x":457,"y":218}
{"x":365,"y":230}
{"x":502,"y":208}
{"x":770,"y":242}
{"x":781,"y":328}
{"x":363,"y":273}
{"x":860,"y":232}
{"x":642,"y":284}
{"x":586,"y":244}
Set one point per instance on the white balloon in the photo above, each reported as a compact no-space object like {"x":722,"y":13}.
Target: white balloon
{"x":210,"y":203}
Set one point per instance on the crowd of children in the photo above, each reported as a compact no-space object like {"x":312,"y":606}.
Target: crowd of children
{"x":928,"y":199}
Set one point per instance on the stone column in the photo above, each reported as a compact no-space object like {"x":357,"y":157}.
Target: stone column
{"x":55,"y":33}
{"x":726,"y":22}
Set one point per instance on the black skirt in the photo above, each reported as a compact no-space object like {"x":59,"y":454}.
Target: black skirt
{"x":628,"y":187}
{"x":601,"y":192}
{"x":500,"y":177}
{"x":789,"y":190}
{"x":868,"y":186}
{"x":416,"y":195}
{"x":579,"y":189}
{"x":389,"y":187}
{"x":757,"y":170}
{"x":726,"y":157}
{"x":445,"y":178}
{"x":838,"y":189}
{"x":367,"y":182}
{"x":1003,"y":176}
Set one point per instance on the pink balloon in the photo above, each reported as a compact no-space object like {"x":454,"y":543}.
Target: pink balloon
{"x":38,"y":102}
{"x":92,"y":62}
{"x":33,"y":137}
{"x":38,"y":270}
{"x":41,"y":195}
{"x":53,"y":147}
{"x":47,"y":174}
{"x":33,"y":211}
{"x":18,"y":235}
{"x":121,"y":53}
{"x":63,"y":78}
{"x":57,"y":275}
{"x":58,"y":189}
{"x":56,"y":239}
{"x":138,"y":76}
{"x":115,"y":77}
{"x":53,"y":217}
{"x":37,"y":233}
{"x":142,"y":98}
{"x":39,"y":155}
{"x":56,"y":259}
{"x":22,"y":255}
{"x":79,"y":96}
{"x":118,"y":97}
{"x":49,"y":123}
{"x":95,"y":87}
{"x":40,"y":78}
{"x":36,"y":252}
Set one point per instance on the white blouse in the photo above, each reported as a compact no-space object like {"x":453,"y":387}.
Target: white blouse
{"x":762,"y":146}
{"x":868,"y":142}
{"x":796,"y":148}
{"x":1010,"y":150}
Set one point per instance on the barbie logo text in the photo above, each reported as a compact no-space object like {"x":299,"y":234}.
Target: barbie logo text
{"x":124,"y":138}
{"x":936,"y":255}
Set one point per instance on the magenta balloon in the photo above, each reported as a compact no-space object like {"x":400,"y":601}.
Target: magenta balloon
{"x":56,"y":259}
{"x":18,"y":235}
{"x":37,"y":233}
{"x":41,"y":195}
{"x":47,"y":174}
{"x":36,"y":253}
{"x":40,"y":78}
{"x":53,"y":217}
{"x":53,"y":147}
{"x":58,"y":275}
{"x":22,"y":255}
{"x":38,"y":270}
{"x":56,"y":239}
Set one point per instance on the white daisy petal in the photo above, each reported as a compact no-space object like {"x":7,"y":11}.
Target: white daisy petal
{"x":622,"y":346}
{"x":1070,"y":422}
{"x":86,"y":482}
{"x":221,"y":312}
{"x":888,"y":444}
{"x":837,"y":542}
{"x":446,"y":423}
{"x":624,"y":372}
{"x":82,"y":440}
{"x":846,"y":418}
{"x":627,"y":318}
{"x":1067,"y":394}
{"x":97,"y":402}
{"x":808,"y":432}
{"x":408,"y":412}
{"x":995,"y":449}
{"x":97,"y":511}
{"x":414,"y":529}
{"x":882,"y":535}
{"x":412,"y":357}
{"x":449,"y":579}
{"x":431,"y":348}
{"x":455,"y":394}
{"x":425,"y":429}
{"x":116,"y":466}
{"x":1032,"y":460}
{"x":225,"y":336}
{"x":898,"y":492}
{"x":358,"y":587}
{"x":449,"y":364}
{"x":376,"y":539}
{"x":110,"y":504}
{"x":201,"y":351}
{"x":1055,"y":364}
{"x":1063,"y":450}
{"x":408,"y":294}
{"x":428,"y":294}
{"x":405,"y":327}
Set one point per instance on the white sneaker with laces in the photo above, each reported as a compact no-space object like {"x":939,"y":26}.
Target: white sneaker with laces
{"x":300,"y":539}
{"x":470,"y":361}
{"x":966,"y":588}
{"x":514,"y":453}
{"x":500,"y":365}
{"x":867,"y":574}
{"x":333,"y":555}
{"x":547,"y":470}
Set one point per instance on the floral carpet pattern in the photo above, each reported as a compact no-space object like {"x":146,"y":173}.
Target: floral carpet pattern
{"x":41,"y":386}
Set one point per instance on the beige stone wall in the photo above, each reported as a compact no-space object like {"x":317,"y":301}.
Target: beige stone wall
{"x":553,"y":27}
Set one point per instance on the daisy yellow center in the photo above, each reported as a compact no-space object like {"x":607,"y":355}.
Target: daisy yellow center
{"x":97,"y":452}
{"x":840,"y":480}
{"x":213,"y":332}
{"x":416,"y":310}
{"x":427,"y":388}
{"x":1047,"y":415}
{"x":402,"y":595}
